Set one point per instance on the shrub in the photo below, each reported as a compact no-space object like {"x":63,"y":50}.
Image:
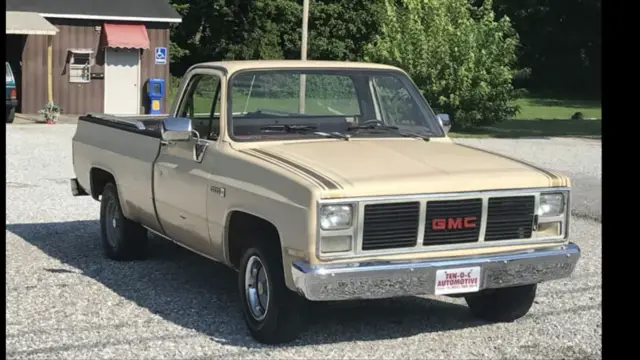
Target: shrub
{"x":459,"y":55}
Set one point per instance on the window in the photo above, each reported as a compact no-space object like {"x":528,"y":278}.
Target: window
{"x":80,"y":66}
{"x":326,"y":94}
{"x":201,"y":104}
{"x":397,"y":105}
{"x":9,"y":74}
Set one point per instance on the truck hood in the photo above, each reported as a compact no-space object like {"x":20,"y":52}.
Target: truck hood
{"x":364,"y":167}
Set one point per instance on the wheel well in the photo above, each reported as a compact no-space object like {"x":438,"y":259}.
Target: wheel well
{"x":244,"y":230}
{"x":99,"y":178}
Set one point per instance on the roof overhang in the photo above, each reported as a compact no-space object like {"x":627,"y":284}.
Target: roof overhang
{"x":28,"y":23}
{"x":112,"y":18}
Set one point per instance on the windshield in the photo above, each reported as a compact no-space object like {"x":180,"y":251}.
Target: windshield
{"x":266,"y":102}
{"x":8,"y":73}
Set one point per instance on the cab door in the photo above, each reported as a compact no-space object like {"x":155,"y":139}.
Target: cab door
{"x":181,"y":178}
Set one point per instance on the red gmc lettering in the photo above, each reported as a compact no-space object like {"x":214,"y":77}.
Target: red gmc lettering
{"x":454,"y":223}
{"x":439,"y":224}
{"x":468,"y":222}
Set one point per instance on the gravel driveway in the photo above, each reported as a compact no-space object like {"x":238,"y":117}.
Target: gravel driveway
{"x":66,"y":301}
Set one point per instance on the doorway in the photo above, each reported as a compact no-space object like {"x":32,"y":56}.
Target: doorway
{"x":121,"y":79}
{"x":14,"y":46}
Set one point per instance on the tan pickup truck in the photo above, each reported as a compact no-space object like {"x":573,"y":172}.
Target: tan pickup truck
{"x":354,"y":193}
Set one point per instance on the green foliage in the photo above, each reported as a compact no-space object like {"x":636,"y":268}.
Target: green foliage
{"x":563,"y":44}
{"x":460,"y":56}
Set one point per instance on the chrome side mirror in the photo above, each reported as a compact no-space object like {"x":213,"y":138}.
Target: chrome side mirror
{"x":445,"y":122}
{"x":176,"y":129}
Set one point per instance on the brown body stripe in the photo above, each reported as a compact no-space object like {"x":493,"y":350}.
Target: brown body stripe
{"x":326,"y":182}
{"x":251,"y":153}
{"x":313,"y":177}
{"x":546,"y":172}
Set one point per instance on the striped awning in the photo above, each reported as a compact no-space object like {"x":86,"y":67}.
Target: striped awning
{"x":28,"y":23}
{"x":132,"y":36}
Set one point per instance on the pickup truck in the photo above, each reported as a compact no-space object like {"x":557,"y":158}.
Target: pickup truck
{"x":353,"y":192}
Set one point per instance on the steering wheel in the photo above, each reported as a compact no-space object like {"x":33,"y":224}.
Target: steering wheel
{"x":373,"y":122}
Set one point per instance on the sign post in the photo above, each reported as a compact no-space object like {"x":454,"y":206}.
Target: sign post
{"x":303,"y":53}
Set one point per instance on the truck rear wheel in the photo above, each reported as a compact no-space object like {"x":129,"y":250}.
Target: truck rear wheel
{"x":122,"y":239}
{"x":502,"y":305}
{"x":272,"y":312}
{"x":11,"y":114}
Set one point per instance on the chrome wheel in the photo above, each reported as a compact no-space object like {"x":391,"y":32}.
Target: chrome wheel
{"x":112,"y":222}
{"x":256,"y":286}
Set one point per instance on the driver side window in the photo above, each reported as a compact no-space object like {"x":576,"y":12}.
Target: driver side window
{"x":201,"y":104}
{"x":396,"y":104}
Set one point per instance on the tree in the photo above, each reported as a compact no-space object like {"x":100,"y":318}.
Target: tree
{"x":460,"y":56}
{"x":561,"y":44}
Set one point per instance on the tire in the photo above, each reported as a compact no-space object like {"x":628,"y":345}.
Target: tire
{"x":502,"y":305}
{"x":284,"y":311}
{"x":122,"y":239}
{"x":11,"y":115}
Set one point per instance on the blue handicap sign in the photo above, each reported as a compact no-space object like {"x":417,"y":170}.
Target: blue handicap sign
{"x":161,"y":55}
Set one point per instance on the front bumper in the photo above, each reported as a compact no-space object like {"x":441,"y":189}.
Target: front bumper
{"x":373,"y":280}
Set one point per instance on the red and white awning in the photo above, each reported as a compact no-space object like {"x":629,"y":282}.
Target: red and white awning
{"x":132,"y":36}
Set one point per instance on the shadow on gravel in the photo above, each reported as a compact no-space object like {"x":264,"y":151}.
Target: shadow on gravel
{"x":199,"y":294}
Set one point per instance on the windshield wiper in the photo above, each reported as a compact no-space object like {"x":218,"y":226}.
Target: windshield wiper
{"x":303,"y":129}
{"x":394,"y":129}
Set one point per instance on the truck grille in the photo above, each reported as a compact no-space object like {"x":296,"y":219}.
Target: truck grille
{"x":391,"y":225}
{"x":452,"y":222}
{"x":510,"y":218}
{"x":447,"y":222}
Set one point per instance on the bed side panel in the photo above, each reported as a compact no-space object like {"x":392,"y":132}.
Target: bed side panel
{"x":128,"y":156}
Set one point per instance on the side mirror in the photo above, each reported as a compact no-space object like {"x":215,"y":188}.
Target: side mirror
{"x":445,"y":122}
{"x":176,"y":129}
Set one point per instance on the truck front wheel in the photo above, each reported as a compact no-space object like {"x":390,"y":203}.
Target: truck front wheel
{"x":502,"y":305}
{"x":272,"y":312}
{"x":122,"y":239}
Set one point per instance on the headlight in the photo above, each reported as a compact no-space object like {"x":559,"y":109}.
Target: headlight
{"x":336,"y":217}
{"x":551,"y":204}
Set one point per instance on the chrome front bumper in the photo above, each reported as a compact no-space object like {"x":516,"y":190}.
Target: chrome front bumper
{"x":373,"y":280}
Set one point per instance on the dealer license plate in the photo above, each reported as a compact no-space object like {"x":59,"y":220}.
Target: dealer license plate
{"x":455,"y":281}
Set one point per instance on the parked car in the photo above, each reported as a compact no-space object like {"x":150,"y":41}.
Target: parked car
{"x":355,"y":193}
{"x":11,"y":94}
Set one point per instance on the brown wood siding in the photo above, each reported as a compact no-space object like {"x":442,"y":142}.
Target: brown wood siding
{"x":34,"y":74}
{"x":76,"y":98}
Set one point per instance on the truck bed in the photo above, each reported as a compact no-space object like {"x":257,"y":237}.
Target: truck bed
{"x":148,"y":125}
{"x":125,"y":147}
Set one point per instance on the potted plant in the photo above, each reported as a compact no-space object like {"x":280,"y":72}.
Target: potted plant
{"x":51,"y":112}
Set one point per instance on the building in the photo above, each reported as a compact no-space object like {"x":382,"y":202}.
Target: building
{"x":88,"y":55}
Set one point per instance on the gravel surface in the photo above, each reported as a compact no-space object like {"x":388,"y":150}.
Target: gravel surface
{"x":580,"y":159}
{"x":66,"y":301}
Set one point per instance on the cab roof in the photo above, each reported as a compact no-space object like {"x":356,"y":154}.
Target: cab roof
{"x":239,"y":65}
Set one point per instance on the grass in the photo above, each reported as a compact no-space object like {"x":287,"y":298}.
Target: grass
{"x":543,"y":117}
{"x":541,"y":108}
{"x":536,"y":128}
